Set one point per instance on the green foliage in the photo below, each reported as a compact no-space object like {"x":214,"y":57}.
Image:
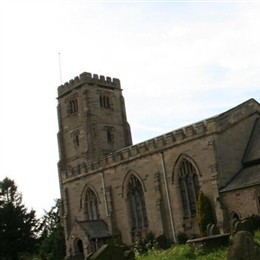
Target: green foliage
{"x":140,"y":247}
{"x":184,"y":252}
{"x":18,"y":227}
{"x":117,"y":238}
{"x":257,"y":236}
{"x":50,"y":219}
{"x":163,"y":242}
{"x":52,"y":235}
{"x":205,"y":213}
{"x":53,"y":247}
{"x":150,"y":241}
{"x":182,"y":238}
{"x":255,"y":221}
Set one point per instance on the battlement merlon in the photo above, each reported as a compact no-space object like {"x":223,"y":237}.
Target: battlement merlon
{"x":87,"y":77}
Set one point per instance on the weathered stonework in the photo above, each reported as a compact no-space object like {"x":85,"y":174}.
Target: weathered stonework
{"x":96,"y":153}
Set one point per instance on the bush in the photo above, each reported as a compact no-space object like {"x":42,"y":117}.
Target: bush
{"x":140,"y":247}
{"x":182,"y":238}
{"x":255,"y":221}
{"x":205,"y":213}
{"x":117,"y":237}
{"x":150,"y":241}
{"x":163,"y":242}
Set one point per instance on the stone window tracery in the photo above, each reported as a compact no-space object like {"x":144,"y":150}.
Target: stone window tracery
{"x":189,"y":188}
{"x":137,"y":204}
{"x":91,"y":205}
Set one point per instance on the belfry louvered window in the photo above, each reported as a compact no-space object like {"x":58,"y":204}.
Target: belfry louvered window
{"x":91,"y":205}
{"x":72,"y":106}
{"x":104,"y":101}
{"x":137,"y":204}
{"x":189,"y":188}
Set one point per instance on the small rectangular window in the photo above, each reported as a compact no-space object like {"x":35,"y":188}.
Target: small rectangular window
{"x":110,"y":134}
{"x":72,"y":105}
{"x":104,"y":101}
{"x":75,"y":138}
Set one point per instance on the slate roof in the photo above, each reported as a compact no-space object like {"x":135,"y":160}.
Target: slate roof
{"x":95,"y":228}
{"x":247,"y":177}
{"x":252,"y":153}
{"x":250,"y":173}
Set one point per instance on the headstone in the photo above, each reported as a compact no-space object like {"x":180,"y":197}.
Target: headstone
{"x":208,"y":229}
{"x":214,"y":230}
{"x":244,"y":225}
{"x":233,"y":223}
{"x":110,"y":252}
{"x":243,"y":248}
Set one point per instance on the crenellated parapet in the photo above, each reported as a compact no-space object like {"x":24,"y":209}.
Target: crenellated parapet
{"x":145,"y":148}
{"x":88,"y":78}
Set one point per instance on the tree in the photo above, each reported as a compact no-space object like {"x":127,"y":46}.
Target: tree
{"x":50,"y":219}
{"x":17,"y":226}
{"x":205,"y":213}
{"x":52,"y":235}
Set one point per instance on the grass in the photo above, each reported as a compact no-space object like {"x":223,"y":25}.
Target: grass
{"x":184,"y":252}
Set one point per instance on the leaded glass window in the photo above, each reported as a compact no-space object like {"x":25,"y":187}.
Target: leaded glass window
{"x":189,"y":188}
{"x":137,"y":203}
{"x":91,"y":205}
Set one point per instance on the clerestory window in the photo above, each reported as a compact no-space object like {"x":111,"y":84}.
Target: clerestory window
{"x":189,"y":188}
{"x":137,"y":204}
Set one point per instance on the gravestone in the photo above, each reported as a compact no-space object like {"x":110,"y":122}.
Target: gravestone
{"x":233,"y":223}
{"x":213,"y":239}
{"x":243,"y":225}
{"x":111,"y":252}
{"x":208,"y":229}
{"x":244,"y":247}
{"x":214,"y":230}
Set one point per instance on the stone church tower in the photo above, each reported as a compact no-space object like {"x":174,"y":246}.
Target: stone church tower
{"x":92,"y":119}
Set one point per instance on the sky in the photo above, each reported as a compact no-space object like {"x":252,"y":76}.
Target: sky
{"x":179,"y":62}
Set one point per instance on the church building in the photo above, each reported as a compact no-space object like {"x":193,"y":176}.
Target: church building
{"x":110,"y":186}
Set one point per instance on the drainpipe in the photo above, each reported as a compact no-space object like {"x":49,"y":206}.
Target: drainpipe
{"x":104,"y":192}
{"x":168,"y":198}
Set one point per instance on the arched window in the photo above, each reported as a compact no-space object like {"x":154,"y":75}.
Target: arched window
{"x":91,"y":205}
{"x":137,"y":203}
{"x":189,"y":188}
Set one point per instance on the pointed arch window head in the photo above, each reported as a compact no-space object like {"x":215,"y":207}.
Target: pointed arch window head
{"x":137,"y":203}
{"x":189,"y":188}
{"x":91,"y":205}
